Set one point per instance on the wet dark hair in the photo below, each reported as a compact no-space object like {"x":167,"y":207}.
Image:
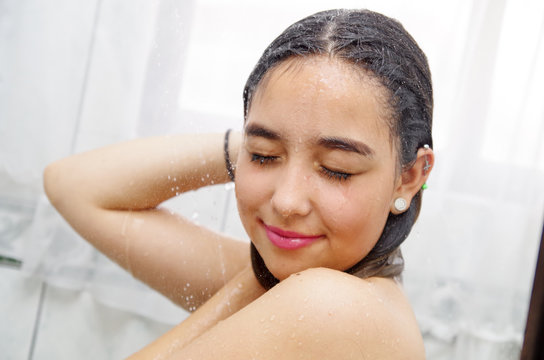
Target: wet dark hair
{"x":379,"y":46}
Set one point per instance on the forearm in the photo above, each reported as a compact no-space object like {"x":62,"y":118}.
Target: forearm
{"x":235,"y":295}
{"x":109,"y":197}
{"x":140,"y":174}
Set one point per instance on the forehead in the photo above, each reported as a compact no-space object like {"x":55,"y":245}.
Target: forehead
{"x":324,"y":95}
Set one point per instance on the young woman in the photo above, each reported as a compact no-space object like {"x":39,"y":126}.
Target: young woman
{"x":329,"y":173}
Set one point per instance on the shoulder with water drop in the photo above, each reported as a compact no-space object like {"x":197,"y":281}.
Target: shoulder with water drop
{"x":371,"y":314}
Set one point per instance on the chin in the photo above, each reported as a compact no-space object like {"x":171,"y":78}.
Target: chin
{"x":282,"y":275}
{"x":282,"y":271}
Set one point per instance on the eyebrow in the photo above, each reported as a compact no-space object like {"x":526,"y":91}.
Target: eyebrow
{"x":258,"y":130}
{"x":346,"y":144}
{"x":330,"y":142}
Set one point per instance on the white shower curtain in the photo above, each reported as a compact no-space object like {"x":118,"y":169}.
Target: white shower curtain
{"x":78,"y":75}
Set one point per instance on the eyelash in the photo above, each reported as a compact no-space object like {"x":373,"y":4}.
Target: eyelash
{"x":261,"y":159}
{"x":332,"y":175}
{"x":335,"y":175}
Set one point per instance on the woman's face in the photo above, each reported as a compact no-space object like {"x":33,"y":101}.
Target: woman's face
{"x":315,"y":178}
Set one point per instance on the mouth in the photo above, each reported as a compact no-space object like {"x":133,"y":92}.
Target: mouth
{"x":289,"y":240}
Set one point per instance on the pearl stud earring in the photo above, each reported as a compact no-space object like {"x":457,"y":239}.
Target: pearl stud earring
{"x":400,"y":204}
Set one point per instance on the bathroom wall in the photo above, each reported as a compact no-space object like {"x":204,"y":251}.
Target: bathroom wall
{"x":79,"y":75}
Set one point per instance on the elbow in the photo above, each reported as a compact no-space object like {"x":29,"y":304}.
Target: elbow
{"x":52,"y":183}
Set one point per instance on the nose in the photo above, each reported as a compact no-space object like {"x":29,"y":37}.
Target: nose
{"x":292,"y":194}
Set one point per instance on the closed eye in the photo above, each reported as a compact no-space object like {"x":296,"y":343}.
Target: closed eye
{"x":262,"y":159}
{"x":335,"y":175}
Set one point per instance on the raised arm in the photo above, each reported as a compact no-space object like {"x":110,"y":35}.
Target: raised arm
{"x":110,"y":196}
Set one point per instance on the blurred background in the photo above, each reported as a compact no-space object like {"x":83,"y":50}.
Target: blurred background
{"x":76,"y":75}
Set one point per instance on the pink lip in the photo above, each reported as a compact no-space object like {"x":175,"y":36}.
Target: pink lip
{"x":289,"y":240}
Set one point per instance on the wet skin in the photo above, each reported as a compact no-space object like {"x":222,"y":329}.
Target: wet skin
{"x":317,"y":162}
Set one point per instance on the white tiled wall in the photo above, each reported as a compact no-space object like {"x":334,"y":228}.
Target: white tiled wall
{"x":18,"y":308}
{"x":67,"y":325}
{"x":95,"y":330}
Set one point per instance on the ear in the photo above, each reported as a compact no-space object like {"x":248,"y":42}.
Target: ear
{"x":413,"y":178}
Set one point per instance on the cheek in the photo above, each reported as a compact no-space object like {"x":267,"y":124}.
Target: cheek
{"x":251,"y":191}
{"x":244,"y":191}
{"x":342,"y":210}
{"x":354,"y":212}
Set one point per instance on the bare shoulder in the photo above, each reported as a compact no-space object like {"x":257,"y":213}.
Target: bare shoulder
{"x":373,"y":314}
{"x":318,"y":313}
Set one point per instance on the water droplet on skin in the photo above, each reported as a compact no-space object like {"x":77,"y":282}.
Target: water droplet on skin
{"x":175,"y":179}
{"x":188,"y":284}
{"x":272,"y":317}
{"x":240,"y":285}
{"x":169,"y":176}
{"x":300,"y":317}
